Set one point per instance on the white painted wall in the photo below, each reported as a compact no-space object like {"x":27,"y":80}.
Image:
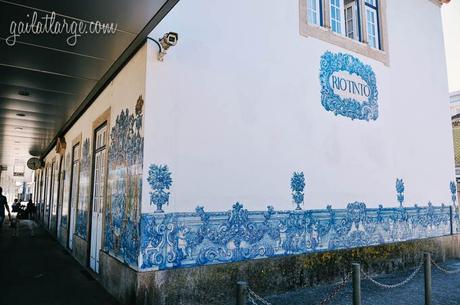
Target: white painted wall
{"x":235,"y":108}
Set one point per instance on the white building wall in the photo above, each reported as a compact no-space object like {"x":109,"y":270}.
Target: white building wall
{"x":235,"y":109}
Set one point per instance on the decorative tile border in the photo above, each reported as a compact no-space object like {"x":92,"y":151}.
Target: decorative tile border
{"x":175,"y":240}
{"x":172,"y":240}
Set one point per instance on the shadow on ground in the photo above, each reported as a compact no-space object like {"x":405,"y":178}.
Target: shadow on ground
{"x":36,"y":270}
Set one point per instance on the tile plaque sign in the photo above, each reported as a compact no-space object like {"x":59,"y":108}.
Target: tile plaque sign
{"x":348,"y":87}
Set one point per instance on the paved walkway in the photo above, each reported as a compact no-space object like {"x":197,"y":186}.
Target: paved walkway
{"x":35,"y":270}
{"x":445,"y":290}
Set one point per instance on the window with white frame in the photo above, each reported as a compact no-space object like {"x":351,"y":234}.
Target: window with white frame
{"x":313,"y":12}
{"x":354,"y":19}
{"x":372,"y":23}
{"x":336,"y":17}
{"x":351,"y":19}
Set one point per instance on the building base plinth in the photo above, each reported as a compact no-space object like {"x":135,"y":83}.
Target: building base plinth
{"x":216,"y":284}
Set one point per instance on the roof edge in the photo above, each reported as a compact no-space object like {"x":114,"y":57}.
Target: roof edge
{"x":116,"y":67}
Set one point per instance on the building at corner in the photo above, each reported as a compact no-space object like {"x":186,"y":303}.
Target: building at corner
{"x":271,"y":129}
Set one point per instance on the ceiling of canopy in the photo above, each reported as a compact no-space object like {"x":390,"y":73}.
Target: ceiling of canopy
{"x":45,"y":81}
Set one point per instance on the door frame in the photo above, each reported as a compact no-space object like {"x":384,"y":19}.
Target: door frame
{"x":39,"y":202}
{"x":75,"y":142}
{"x":51,"y":191}
{"x":101,"y":121}
{"x":60,"y":187}
{"x":45,"y":191}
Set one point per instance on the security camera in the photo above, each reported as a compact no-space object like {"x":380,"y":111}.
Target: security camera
{"x":169,"y":40}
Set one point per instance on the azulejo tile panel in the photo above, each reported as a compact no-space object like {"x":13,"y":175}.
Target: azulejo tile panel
{"x":347,"y":104}
{"x":82,"y":224}
{"x":175,"y":240}
{"x":84,"y":191}
{"x":124,"y":187}
{"x":64,"y":221}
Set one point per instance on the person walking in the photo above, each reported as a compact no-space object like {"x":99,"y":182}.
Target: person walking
{"x":3,"y":205}
{"x":30,"y":213}
{"x":15,"y":206}
{"x":30,"y":209}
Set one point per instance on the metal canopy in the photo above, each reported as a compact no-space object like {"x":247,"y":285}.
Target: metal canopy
{"x":45,"y":83}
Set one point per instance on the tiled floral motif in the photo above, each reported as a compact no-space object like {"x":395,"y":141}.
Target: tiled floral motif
{"x":84,"y":191}
{"x":297,"y":187}
{"x":174,"y":240}
{"x":160,"y":182}
{"x":124,"y":187}
{"x":453,"y":191}
{"x":400,"y":191}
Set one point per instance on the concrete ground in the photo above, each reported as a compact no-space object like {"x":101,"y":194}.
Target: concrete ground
{"x":445,"y":290}
{"x":35,"y":270}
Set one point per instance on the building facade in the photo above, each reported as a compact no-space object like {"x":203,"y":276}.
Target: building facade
{"x":454,"y":107}
{"x":286,"y":130}
{"x":454,"y":104}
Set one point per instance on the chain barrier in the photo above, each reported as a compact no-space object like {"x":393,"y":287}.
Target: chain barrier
{"x":336,"y":290}
{"x":445,"y":270}
{"x":253,"y":302}
{"x":391,"y":286}
{"x":254,"y":297}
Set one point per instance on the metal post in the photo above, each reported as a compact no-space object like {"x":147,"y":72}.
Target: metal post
{"x":356,"y":284}
{"x":241,"y":291}
{"x":427,"y":258}
{"x":451,"y":214}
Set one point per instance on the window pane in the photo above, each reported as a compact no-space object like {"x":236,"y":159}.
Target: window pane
{"x":336,"y":20}
{"x":349,"y":22}
{"x":313,"y":11}
{"x":372,"y":27}
{"x":372,"y":2}
{"x":351,"y":16}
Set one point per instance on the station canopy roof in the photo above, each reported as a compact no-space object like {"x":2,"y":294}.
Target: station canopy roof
{"x":47,"y":79}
